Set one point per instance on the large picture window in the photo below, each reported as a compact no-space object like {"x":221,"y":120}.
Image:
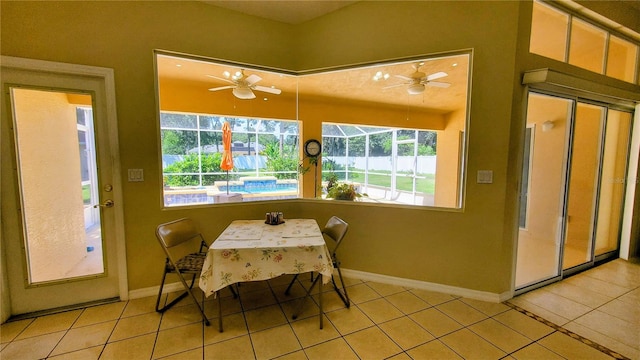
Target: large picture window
{"x":394,"y":132}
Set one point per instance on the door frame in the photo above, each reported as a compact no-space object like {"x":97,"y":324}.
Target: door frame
{"x":106,"y":75}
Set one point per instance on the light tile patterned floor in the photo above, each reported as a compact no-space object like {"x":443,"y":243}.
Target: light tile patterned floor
{"x":601,"y":304}
{"x":384,"y":322}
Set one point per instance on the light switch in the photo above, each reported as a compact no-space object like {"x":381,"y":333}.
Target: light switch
{"x":485,"y":177}
{"x":136,"y":175}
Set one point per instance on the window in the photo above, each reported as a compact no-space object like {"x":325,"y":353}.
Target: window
{"x":391,"y":165}
{"x":621,"y":58}
{"x":586,"y":47}
{"x":265,"y":157}
{"x":549,"y":29}
{"x":409,"y":154}
{"x":382,"y":126}
{"x":590,"y":46}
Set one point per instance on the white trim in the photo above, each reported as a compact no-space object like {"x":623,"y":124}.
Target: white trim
{"x":361,"y":275}
{"x":112,"y":124}
{"x":153,"y":291}
{"x":424,"y":285}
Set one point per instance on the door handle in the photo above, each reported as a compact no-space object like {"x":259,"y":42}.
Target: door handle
{"x":108,"y":203}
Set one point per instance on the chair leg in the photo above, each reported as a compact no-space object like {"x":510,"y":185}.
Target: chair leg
{"x":170,"y":304}
{"x":164,"y":276}
{"x":195,"y":300}
{"x":342,"y":293}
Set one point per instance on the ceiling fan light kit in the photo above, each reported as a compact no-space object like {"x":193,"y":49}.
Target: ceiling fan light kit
{"x":243,"y":93}
{"x":415,"y":89}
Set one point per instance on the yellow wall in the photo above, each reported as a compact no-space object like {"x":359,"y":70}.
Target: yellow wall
{"x":472,"y":248}
{"x":450,"y":146}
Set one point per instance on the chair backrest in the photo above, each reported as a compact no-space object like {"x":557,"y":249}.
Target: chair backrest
{"x":336,"y":228}
{"x":176,"y":232}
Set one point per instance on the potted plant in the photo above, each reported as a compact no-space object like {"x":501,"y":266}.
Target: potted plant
{"x":344,"y":191}
{"x":332,"y":180}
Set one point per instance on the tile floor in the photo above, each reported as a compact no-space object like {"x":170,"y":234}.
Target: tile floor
{"x":384,"y":322}
{"x":600,"y":304}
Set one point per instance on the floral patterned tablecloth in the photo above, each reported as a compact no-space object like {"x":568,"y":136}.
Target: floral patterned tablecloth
{"x":250,"y":250}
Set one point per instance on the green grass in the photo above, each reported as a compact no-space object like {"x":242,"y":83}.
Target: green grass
{"x":86,"y":194}
{"x":426,"y":185}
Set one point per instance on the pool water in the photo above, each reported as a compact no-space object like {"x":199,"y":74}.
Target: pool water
{"x":255,"y":189}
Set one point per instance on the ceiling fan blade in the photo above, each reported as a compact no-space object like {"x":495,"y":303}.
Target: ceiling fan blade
{"x":403,"y":77}
{"x":222,"y":88}
{"x":221,"y":79}
{"x":438,"y":84}
{"x":252,"y":79}
{"x":267,"y":89}
{"x":437,"y":75}
{"x":393,"y":86}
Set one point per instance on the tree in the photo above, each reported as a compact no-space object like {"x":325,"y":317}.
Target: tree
{"x":278,"y":160}
{"x":193,"y":164}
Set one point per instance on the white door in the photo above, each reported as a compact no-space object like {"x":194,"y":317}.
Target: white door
{"x":60,"y":184}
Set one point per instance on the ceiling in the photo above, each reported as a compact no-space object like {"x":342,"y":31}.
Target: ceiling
{"x":353,"y":85}
{"x":291,"y":12}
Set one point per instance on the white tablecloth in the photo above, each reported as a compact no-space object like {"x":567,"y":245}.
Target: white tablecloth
{"x":250,"y":250}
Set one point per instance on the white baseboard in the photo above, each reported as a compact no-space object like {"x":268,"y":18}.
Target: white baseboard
{"x":153,"y":291}
{"x":355,"y":274}
{"x":424,"y":285}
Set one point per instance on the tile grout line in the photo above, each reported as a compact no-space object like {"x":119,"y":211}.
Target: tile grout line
{"x":65,"y":333}
{"x":435,"y":338}
{"x":569,"y":333}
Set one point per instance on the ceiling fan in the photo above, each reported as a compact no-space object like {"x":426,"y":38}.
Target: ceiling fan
{"x":418,"y":80}
{"x":243,"y":85}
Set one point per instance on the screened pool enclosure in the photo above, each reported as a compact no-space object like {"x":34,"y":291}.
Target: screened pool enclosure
{"x":387,"y":164}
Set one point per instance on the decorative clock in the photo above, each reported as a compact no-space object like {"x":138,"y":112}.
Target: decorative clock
{"x":312,"y":148}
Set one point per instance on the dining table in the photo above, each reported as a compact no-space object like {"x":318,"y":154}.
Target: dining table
{"x":254,"y":250}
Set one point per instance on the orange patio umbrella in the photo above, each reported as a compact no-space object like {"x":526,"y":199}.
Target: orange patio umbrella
{"x":227,"y":156}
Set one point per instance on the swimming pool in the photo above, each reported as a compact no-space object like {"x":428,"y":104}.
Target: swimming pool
{"x":243,"y":189}
{"x":255,"y":185}
{"x":251,"y":188}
